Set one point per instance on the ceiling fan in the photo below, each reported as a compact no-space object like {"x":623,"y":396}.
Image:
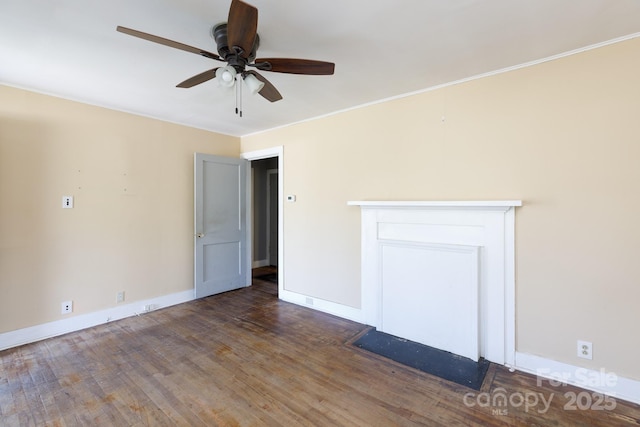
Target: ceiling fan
{"x":237,"y":41}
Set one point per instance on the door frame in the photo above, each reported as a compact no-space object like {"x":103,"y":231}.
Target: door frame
{"x":267,"y":154}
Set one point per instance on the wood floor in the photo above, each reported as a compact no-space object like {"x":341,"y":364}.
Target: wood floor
{"x":244,"y":358}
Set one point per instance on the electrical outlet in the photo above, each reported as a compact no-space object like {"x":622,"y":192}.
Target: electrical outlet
{"x":67,"y":307}
{"x":120,"y":297}
{"x":67,"y":202}
{"x":585,"y":350}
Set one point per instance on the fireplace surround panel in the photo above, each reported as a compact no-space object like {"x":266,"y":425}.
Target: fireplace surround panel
{"x":442,"y":273}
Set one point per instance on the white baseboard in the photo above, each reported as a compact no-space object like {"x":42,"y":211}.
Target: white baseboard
{"x":260,"y":263}
{"x":601,"y":381}
{"x":83,"y":321}
{"x":607,"y":383}
{"x":336,"y":309}
{"x":75,"y":323}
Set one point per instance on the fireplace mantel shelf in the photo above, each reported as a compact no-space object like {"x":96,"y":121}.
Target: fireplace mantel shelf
{"x":436,"y":203}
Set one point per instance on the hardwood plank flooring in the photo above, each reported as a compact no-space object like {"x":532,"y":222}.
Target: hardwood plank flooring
{"x":245,"y":358}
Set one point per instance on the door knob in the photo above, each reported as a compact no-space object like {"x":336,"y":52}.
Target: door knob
{"x":200,"y":235}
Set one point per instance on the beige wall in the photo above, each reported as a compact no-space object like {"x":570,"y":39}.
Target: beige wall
{"x":563,"y":136}
{"x":132,"y":225}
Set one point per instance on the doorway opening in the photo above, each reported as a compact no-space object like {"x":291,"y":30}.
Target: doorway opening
{"x":266,"y":220}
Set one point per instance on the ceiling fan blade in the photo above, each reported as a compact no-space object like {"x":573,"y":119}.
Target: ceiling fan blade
{"x":200,"y":78}
{"x":295,"y":66}
{"x":242,"y":27}
{"x":167,"y":42}
{"x":268,"y":91}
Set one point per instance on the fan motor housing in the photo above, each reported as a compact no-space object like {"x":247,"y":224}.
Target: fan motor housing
{"x":219,"y":34}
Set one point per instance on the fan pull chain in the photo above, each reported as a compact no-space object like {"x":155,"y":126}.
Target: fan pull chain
{"x":239,"y":95}
{"x":240,"y":92}
{"x":237,"y":89}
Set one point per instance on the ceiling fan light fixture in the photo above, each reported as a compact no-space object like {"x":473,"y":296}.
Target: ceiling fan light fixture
{"x":226,"y":76}
{"x":237,"y":41}
{"x":253,"y":83}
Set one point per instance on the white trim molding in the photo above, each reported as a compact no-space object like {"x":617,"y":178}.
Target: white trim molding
{"x":456,"y":82}
{"x":83,"y":321}
{"x":266,"y":154}
{"x":340,"y":310}
{"x":437,"y":203}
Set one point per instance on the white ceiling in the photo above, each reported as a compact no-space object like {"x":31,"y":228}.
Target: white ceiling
{"x":381,"y":48}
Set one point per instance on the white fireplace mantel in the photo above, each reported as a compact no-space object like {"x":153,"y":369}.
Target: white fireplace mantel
{"x":411,"y":248}
{"x":460,"y":204}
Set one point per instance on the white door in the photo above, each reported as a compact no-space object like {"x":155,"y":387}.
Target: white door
{"x":221,"y":244}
